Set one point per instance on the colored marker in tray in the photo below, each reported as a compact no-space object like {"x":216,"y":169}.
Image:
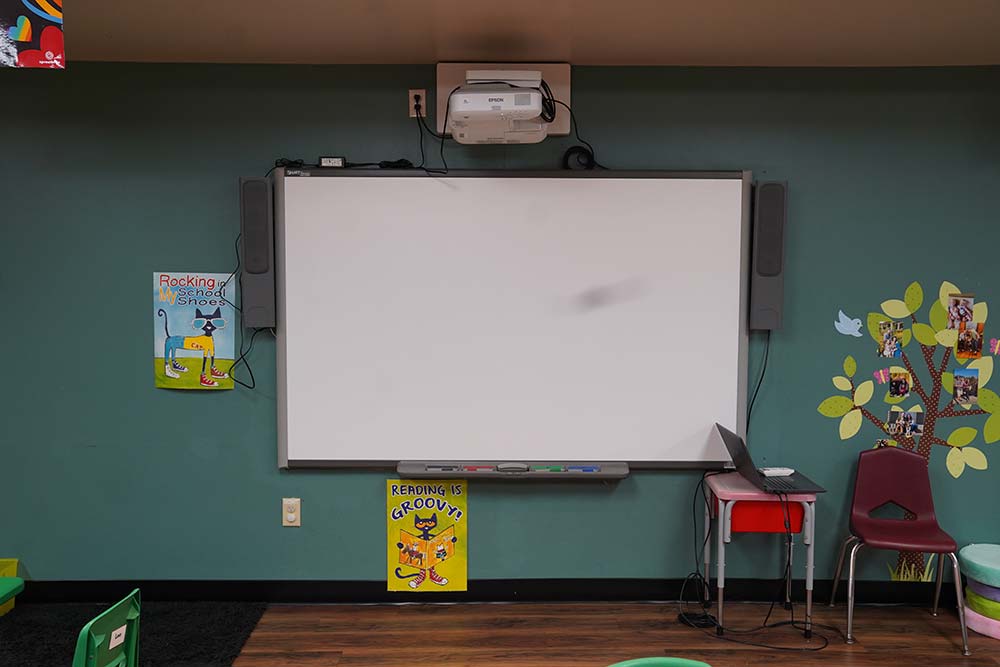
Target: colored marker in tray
{"x":511,"y":470}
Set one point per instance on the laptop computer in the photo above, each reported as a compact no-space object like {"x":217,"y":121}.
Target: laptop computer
{"x":794,"y":483}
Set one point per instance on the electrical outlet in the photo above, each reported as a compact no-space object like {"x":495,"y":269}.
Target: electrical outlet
{"x":423,"y":102}
{"x":291,"y":512}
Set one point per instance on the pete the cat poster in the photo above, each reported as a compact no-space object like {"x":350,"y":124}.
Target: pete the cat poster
{"x":194,"y":326}
{"x":426,"y":545}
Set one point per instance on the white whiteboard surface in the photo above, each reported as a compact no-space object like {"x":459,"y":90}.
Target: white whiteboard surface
{"x":510,"y":317}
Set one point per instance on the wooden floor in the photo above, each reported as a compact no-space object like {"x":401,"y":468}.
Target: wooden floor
{"x":593,"y":634}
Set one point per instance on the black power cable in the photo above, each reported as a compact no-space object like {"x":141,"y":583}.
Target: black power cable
{"x":421,"y":127}
{"x":548,"y":103}
{"x":291,"y":164}
{"x":760,"y":378}
{"x":233,"y":273}
{"x":578,"y":157}
{"x":243,"y":358}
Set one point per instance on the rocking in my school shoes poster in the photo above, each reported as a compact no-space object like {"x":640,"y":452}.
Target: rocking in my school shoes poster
{"x":194,"y":328}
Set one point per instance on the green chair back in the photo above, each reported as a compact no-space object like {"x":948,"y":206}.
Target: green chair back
{"x":111,"y":639}
{"x":660,"y":662}
{"x":9,"y":587}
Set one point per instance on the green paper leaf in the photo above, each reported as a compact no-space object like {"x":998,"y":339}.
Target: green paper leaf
{"x":989,"y":401}
{"x":955,"y":462}
{"x":985,"y":367}
{"x":974,"y":458}
{"x":938,"y":316}
{"x":864,"y":392}
{"x":873,"y":320}
{"x":915,"y":408}
{"x":850,"y":366}
{"x":946,"y":289}
{"x":895,"y":309}
{"x":914,"y":297}
{"x":924,"y":334}
{"x":947,"y":337}
{"x":905,"y":337}
{"x":835,"y":406}
{"x":841,"y":383}
{"x":893,"y":400}
{"x":991,"y":431}
{"x":962,"y":436}
{"x":980,"y":311}
{"x":948,"y":382}
{"x":850,"y":424}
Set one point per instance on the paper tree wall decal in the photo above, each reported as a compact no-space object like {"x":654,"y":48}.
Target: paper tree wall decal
{"x":946,"y":426}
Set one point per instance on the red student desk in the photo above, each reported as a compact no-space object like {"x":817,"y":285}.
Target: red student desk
{"x":741,"y":507}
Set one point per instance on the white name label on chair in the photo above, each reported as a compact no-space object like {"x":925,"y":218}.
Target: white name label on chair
{"x":117,"y":637}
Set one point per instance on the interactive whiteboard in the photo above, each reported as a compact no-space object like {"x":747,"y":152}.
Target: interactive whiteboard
{"x":508,"y":316}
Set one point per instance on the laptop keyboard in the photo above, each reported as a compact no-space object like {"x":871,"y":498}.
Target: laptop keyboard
{"x":780,"y":483}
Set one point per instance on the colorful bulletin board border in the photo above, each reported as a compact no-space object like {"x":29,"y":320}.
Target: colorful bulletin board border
{"x":426,"y":529}
{"x":31,"y":34}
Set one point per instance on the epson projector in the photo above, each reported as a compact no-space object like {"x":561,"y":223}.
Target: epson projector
{"x":497,"y":107}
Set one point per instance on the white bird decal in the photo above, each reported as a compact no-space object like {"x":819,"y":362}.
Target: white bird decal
{"x":848,"y":326}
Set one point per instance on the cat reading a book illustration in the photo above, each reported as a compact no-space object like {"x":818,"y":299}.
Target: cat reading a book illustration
{"x":205,"y":343}
{"x":425,"y":551}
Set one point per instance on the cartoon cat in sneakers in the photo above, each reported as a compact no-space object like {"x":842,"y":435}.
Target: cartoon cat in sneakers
{"x":208,"y":324}
{"x":424,"y":525}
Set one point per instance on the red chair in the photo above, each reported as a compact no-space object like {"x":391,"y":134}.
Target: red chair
{"x":892,"y":475}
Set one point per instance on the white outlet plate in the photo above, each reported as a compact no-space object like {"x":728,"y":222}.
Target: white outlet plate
{"x":423,"y":102}
{"x":557,"y":75}
{"x":291,"y":512}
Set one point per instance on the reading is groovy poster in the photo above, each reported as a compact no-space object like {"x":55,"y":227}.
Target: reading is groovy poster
{"x":426,"y":533}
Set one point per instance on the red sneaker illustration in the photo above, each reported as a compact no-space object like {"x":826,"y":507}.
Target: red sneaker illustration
{"x":437,"y":578}
{"x":419,"y":579}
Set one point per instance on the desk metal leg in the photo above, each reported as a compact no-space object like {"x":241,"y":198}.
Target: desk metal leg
{"x":809,"y":537}
{"x":706,"y":547}
{"x":720,"y":572}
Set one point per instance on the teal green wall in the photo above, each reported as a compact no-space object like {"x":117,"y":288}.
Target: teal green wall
{"x":113,"y":171}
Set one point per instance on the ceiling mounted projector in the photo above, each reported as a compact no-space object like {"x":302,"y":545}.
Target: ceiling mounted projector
{"x":499,"y":107}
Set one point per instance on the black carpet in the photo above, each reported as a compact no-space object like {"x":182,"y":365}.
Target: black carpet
{"x":171,"y":634}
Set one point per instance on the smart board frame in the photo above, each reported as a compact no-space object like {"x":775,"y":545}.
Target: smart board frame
{"x":279,"y":177}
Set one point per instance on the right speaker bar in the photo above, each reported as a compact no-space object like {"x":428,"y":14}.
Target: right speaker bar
{"x":767,"y":283}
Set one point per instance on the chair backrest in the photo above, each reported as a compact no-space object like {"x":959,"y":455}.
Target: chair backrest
{"x":111,"y":639}
{"x":892,"y":475}
{"x":9,"y":587}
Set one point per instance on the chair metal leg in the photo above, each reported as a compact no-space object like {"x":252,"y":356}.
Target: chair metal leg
{"x":840,"y":567}
{"x":961,"y":603}
{"x":850,"y":590}
{"x":937,"y":586}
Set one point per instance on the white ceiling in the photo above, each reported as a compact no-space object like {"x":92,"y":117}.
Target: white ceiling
{"x":582,"y":32}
